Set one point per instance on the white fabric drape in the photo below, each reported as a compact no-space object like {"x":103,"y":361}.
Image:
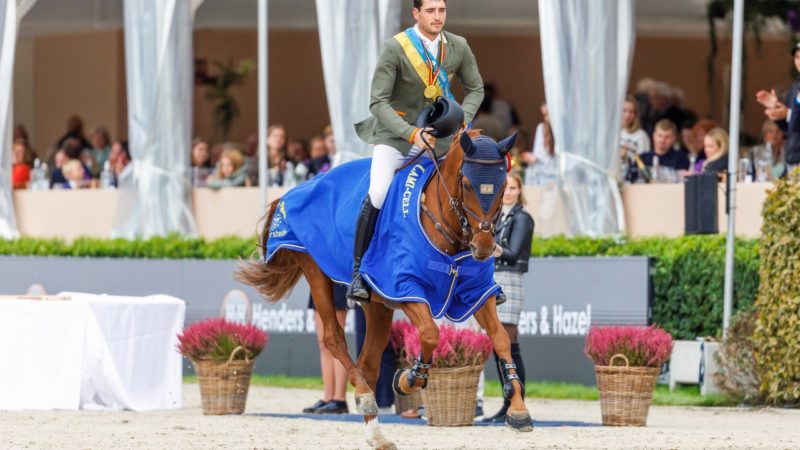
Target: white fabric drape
{"x":587,"y":47}
{"x":351,"y":35}
{"x":11,"y":12}
{"x":155,"y":198}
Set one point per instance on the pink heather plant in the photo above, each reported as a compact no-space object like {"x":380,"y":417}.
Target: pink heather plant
{"x":457,"y":347}
{"x":215,"y":339}
{"x":400,"y":329}
{"x":643,"y":346}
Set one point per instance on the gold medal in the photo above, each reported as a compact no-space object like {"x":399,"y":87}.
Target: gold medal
{"x":431,"y":91}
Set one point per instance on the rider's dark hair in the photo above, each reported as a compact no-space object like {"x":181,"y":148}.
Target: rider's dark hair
{"x":418,"y":3}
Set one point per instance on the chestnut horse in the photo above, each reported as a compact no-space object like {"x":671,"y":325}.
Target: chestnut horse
{"x":453,"y":223}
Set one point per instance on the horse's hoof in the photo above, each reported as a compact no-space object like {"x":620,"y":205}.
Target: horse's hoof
{"x":387,"y":446}
{"x":366,"y":404}
{"x":519,"y":421}
{"x":398,"y":375}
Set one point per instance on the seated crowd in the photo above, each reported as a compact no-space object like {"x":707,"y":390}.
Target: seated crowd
{"x":661,"y":141}
{"x":73,"y":162}
{"x":290,"y":161}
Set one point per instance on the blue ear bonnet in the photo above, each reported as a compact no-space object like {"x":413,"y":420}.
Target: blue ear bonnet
{"x":487,"y":180}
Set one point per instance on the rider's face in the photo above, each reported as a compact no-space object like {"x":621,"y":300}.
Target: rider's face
{"x":431,"y":17}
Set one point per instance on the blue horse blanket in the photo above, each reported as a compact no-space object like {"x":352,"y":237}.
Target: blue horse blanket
{"x":402,"y":264}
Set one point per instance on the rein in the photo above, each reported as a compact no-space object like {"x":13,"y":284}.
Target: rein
{"x":457,"y":205}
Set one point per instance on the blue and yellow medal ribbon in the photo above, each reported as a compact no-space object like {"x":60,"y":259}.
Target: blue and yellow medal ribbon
{"x":431,"y":71}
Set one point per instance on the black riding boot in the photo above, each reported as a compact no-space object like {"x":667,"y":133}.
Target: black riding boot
{"x":365,"y":227}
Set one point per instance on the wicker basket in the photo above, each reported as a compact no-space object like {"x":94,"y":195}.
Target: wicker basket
{"x":410,"y":401}
{"x":625,"y":392}
{"x":224,"y":386}
{"x":450,"y":396}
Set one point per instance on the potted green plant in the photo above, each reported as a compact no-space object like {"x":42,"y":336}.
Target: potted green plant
{"x":627,"y":362}
{"x":223,"y":354}
{"x":226,"y":108}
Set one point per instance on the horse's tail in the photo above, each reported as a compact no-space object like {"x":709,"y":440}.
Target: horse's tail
{"x":273,"y":279}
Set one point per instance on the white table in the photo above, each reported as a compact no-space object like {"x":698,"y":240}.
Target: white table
{"x":88,"y":351}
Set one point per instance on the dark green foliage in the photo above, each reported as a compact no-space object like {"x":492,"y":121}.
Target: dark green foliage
{"x":688,"y":275}
{"x":171,"y":247}
{"x":688,"y":272}
{"x":777,"y":336}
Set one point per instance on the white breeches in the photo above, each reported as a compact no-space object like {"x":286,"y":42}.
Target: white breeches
{"x":385,"y":161}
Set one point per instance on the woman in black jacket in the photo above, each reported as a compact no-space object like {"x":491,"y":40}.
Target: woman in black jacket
{"x":512,"y":249}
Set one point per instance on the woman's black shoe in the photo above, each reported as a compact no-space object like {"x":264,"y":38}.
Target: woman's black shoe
{"x":334,"y":407}
{"x":313,"y":408}
{"x":500,"y":417}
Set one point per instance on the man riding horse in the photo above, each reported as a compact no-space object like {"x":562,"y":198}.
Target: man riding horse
{"x":413,"y":70}
{"x":432,"y":254}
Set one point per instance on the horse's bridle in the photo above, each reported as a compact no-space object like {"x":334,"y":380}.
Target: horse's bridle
{"x":458,"y":206}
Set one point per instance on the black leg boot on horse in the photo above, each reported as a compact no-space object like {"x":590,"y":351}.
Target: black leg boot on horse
{"x":410,"y":378}
{"x":516,"y":355}
{"x":365,"y":227}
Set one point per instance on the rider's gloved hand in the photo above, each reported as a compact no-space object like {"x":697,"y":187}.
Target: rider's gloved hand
{"x":425,"y":133}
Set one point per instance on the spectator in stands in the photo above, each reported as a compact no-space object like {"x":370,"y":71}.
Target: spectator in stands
{"x":120,"y":159}
{"x":662,"y":102}
{"x":73,"y":150}
{"x":545,"y":171}
{"x":499,"y":108}
{"x":21,"y":164}
{"x":538,"y":153}
{"x":320,"y":159}
{"x":201,"y":161}
{"x":231,"y":171}
{"x":101,"y":148}
{"x":766,"y":159}
{"x":75,"y":174}
{"x":696,"y":152}
{"x":715,"y":145}
{"x":664,"y":136}
{"x":632,"y":138}
{"x":74,"y":131}
{"x":57,"y":175}
{"x":298,"y":155}
{"x":330,"y":141}
{"x":633,"y":141}
{"x":488,"y":124}
{"x":251,"y":159}
{"x":787,"y":114}
{"x":276,"y":153}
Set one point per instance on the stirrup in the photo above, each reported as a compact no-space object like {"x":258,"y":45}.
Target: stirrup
{"x":415,"y":373}
{"x":508,"y":377}
{"x":357,"y":278}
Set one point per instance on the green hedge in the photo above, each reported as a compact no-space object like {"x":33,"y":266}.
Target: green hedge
{"x":170,"y":247}
{"x":777,"y":334}
{"x":688,"y":271}
{"x":688,"y":276}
